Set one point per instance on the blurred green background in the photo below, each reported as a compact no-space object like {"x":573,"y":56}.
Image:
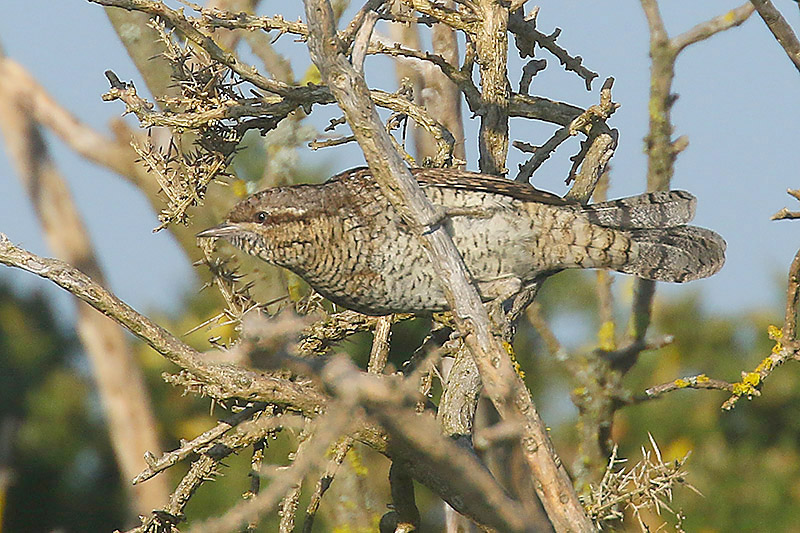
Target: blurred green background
{"x":60,"y":474}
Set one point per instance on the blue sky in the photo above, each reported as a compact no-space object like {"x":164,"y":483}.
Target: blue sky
{"x":738,"y":105}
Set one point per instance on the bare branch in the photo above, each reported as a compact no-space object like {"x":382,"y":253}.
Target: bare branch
{"x":505,"y":388}
{"x":527,"y":37}
{"x":76,"y":134}
{"x":787,"y":347}
{"x":177,"y":20}
{"x":703,"y":31}
{"x":168,"y":459}
{"x":416,"y":441}
{"x":326,"y":429}
{"x":780,"y":29}
{"x":219,"y":381}
{"x":541,"y":154}
{"x":131,"y":424}
{"x":324,"y":482}
{"x":491,"y":46}
{"x":700,"y":381}
{"x":379,"y":354}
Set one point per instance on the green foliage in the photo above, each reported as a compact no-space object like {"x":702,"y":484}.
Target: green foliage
{"x":63,"y":474}
{"x":745,"y":462}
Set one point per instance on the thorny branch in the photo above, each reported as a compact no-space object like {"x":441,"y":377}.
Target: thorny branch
{"x":216,"y":380}
{"x":599,"y":374}
{"x":646,"y":485}
{"x":505,"y":388}
{"x":411,"y":439}
{"x":225,"y":382}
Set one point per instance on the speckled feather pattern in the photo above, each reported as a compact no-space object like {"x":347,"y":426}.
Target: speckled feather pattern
{"x":345,"y":239}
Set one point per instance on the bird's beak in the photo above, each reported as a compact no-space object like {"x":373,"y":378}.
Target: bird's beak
{"x":220,"y":232}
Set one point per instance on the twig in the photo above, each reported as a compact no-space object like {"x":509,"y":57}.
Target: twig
{"x":544,"y":109}
{"x":320,"y":336}
{"x":379,"y":354}
{"x":256,"y":463}
{"x":220,"y":381}
{"x":460,"y":76}
{"x":416,"y":441}
{"x":789,"y":331}
{"x":641,"y":487}
{"x":504,"y":386}
{"x":168,"y":459}
{"x":784,"y":213}
{"x":780,"y":29}
{"x":326,"y":429}
{"x":541,"y":154}
{"x":593,"y":165}
{"x":244,"y":21}
{"x":543,"y":329}
{"x":287,"y":509}
{"x":531,"y":69}
{"x":731,"y":19}
{"x":324,"y":482}
{"x":201,"y":470}
{"x":527,"y":37}
{"x":316,"y":144}
{"x":700,"y":381}
{"x":786,"y":348}
{"x":179,"y":21}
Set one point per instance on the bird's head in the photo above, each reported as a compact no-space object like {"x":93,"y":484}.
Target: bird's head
{"x":265,"y":224}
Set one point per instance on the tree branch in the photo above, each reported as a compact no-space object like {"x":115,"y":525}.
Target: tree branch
{"x":219,"y":381}
{"x":780,"y":29}
{"x":504,"y":386}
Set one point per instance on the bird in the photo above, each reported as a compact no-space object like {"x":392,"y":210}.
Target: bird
{"x":348,"y":242}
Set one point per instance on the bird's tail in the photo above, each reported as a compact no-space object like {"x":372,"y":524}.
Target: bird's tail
{"x":668,"y":250}
{"x":678,"y":254}
{"x":662,"y":209}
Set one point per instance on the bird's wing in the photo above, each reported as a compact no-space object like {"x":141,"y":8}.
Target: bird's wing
{"x":462,"y":179}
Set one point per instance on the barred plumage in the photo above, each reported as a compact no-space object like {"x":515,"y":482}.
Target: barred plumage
{"x":345,"y":239}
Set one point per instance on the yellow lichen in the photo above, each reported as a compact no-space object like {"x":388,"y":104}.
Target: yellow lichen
{"x":747,"y":387}
{"x":752,"y":378}
{"x":681,"y":383}
{"x":510,"y":351}
{"x":702,"y":378}
{"x":766,"y":364}
{"x":742,"y":389}
{"x":774,"y":332}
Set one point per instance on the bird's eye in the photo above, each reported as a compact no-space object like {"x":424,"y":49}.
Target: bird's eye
{"x":261,"y":216}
